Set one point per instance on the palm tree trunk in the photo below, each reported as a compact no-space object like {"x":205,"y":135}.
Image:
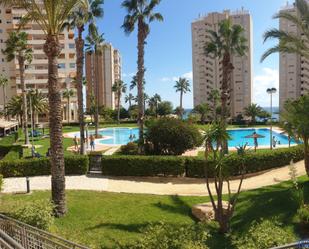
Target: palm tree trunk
{"x":52,"y":49}
{"x":69,"y":111}
{"x":4,"y":101}
{"x":140,"y":77}
{"x":79,"y":42}
{"x":118,"y":115}
{"x":181,"y":95}
{"x":24,"y":95}
{"x":96,"y":116}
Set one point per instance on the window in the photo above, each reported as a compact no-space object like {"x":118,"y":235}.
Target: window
{"x":1,"y":31}
{"x":72,"y":65}
{"x":72,"y":45}
{"x":61,"y":65}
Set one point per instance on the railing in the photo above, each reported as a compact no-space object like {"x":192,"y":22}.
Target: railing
{"x":300,"y":244}
{"x":27,"y":237}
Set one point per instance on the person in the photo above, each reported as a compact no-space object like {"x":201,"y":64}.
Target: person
{"x":255,"y":140}
{"x":92,"y":143}
{"x":75,"y":143}
{"x":131,"y":137}
{"x":274,"y":142}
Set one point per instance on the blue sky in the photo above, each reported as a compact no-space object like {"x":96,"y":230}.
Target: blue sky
{"x":168,"y":50}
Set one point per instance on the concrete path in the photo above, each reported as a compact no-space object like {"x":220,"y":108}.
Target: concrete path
{"x":154,"y":185}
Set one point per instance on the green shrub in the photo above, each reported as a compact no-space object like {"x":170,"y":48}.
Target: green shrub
{"x":1,"y":183}
{"x":169,"y":136}
{"x":14,"y":153}
{"x":38,"y":214}
{"x":74,"y":165}
{"x":264,"y":235}
{"x":129,"y":149}
{"x":143,"y":165}
{"x":163,"y":236}
{"x":303,"y":214}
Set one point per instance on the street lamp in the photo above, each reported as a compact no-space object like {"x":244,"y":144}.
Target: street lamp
{"x":271,"y":91}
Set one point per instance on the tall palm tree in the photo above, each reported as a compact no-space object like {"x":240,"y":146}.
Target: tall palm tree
{"x":214,"y":97}
{"x":119,"y":88}
{"x":134,"y":83}
{"x":182,"y":86}
{"x":128,"y":99}
{"x":4,"y":81}
{"x":15,"y":108}
{"x":229,"y":41}
{"x":39,"y":104}
{"x":67,"y":94}
{"x":51,"y":15}
{"x":81,"y":17}
{"x":95,"y":46}
{"x":140,"y":13}
{"x":290,"y":42}
{"x":253,"y":111}
{"x":17,"y":47}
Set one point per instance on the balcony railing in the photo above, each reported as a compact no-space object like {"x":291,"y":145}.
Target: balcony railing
{"x":17,"y":235}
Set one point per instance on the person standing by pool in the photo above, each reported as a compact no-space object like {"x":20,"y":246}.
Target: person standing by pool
{"x":75,"y":143}
{"x":274,"y":142}
{"x":256,"y":144}
{"x":92,"y":143}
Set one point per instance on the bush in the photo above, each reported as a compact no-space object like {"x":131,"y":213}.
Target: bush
{"x":143,"y":166}
{"x":168,"y":136}
{"x":254,"y":162}
{"x":14,"y":153}
{"x":264,"y":235}
{"x":129,"y":149}
{"x":303,"y":214}
{"x":1,"y":183}
{"x":36,"y":167}
{"x":162,"y":236}
{"x":38,"y":214}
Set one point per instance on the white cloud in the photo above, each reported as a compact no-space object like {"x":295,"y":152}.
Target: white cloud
{"x":188,"y":75}
{"x":268,"y":78}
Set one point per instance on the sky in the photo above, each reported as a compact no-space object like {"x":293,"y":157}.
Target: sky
{"x":168,"y":52}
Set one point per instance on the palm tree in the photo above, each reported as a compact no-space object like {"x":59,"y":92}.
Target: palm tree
{"x":203,"y":110}
{"x":119,"y":87}
{"x":296,"y":115}
{"x":229,"y":41}
{"x":291,"y":42}
{"x":253,"y":111}
{"x":95,"y":46}
{"x":214,"y":97}
{"x":15,"y":108}
{"x":134,"y":83}
{"x":128,"y":99}
{"x":80,"y":18}
{"x":140,"y":13}
{"x":17,"y":47}
{"x":51,"y":16}
{"x":4,"y":82}
{"x":68,"y":93}
{"x":39,"y":104}
{"x":182,"y":86}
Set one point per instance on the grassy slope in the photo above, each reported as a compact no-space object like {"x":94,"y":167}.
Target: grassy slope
{"x":103,"y":219}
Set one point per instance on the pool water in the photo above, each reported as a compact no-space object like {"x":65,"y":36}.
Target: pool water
{"x":121,"y":136}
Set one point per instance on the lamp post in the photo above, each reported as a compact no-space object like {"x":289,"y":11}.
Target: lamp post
{"x":271,"y":91}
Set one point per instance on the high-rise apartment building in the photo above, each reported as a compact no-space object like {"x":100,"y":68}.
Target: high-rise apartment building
{"x":207,"y":71}
{"x":36,"y":74}
{"x":294,"y":69}
{"x":102,"y":71}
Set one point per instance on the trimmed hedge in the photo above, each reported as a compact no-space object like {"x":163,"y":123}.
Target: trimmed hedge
{"x":143,"y":165}
{"x":74,"y":165}
{"x":14,"y":153}
{"x":194,"y":166}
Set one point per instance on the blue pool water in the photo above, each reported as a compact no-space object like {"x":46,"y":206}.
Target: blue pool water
{"x":120,"y":136}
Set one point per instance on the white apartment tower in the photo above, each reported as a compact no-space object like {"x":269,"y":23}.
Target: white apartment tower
{"x":36,"y":74}
{"x":207,"y":71}
{"x":294,"y":69}
{"x":102,"y":71}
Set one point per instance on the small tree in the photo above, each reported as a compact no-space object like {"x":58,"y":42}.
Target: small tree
{"x":253,"y":111}
{"x":119,"y":88}
{"x":165,"y":108}
{"x":215,"y":136}
{"x":203,"y":110}
{"x":67,"y":94}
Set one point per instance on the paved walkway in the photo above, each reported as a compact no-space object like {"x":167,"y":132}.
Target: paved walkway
{"x":155,"y":185}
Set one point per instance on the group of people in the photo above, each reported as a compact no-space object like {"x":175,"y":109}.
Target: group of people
{"x":274,"y":140}
{"x":92,"y":143}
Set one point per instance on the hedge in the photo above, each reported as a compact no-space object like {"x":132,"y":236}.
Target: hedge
{"x":194,"y":166}
{"x":14,"y":153}
{"x":143,"y":166}
{"x":74,"y":165}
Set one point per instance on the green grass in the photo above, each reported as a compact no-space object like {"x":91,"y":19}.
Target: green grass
{"x":101,"y":220}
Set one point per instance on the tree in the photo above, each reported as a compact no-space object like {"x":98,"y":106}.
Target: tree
{"x":296,"y":115}
{"x":253,"y":111}
{"x":154,"y":103}
{"x":17,"y":47}
{"x":134,"y":82}
{"x":119,"y":88}
{"x":67,"y":94}
{"x":214,"y":97}
{"x":4,"y":82}
{"x":128,"y":99}
{"x":37,"y":103}
{"x":140,"y":13}
{"x":15,"y":108}
{"x":290,"y":42}
{"x":215,"y":136}
{"x":229,"y":41}
{"x":182,"y":86}
{"x":95,"y":46}
{"x":203,"y":110}
{"x":51,"y":16}
{"x":81,"y":17}
{"x":165,"y":108}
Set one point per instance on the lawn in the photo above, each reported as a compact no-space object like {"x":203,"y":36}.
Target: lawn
{"x":101,"y":220}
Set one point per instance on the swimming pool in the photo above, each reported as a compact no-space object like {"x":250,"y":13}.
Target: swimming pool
{"x":121,"y":136}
